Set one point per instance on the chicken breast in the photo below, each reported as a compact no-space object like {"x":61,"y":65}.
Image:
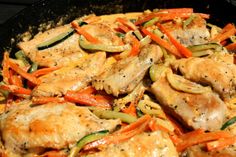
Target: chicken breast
{"x":156,"y":144}
{"x":218,"y":74}
{"x":60,"y":54}
{"x":198,"y":151}
{"x":195,"y":33}
{"x":73,"y":77}
{"x":124,"y":75}
{"x":206,"y":111}
{"x":51,"y":125}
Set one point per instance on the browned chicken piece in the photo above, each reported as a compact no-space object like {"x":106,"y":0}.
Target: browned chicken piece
{"x":198,"y":151}
{"x":124,"y":75}
{"x":218,"y":74}
{"x":58,"y":55}
{"x":26,"y":128}
{"x":104,"y":33}
{"x":155,"y":144}
{"x":73,"y":77}
{"x":195,"y":33}
{"x":206,"y":110}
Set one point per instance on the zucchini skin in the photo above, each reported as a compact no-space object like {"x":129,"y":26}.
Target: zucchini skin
{"x":87,"y":139}
{"x":56,"y":40}
{"x":228,"y":123}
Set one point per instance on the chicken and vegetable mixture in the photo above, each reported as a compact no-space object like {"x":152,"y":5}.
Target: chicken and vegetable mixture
{"x":158,"y":83}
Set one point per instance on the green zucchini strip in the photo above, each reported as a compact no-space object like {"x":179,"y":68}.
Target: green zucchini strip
{"x":207,"y":46}
{"x":108,"y":114}
{"x":56,"y":40}
{"x":228,"y":123}
{"x":103,"y":47}
{"x":85,"y":140}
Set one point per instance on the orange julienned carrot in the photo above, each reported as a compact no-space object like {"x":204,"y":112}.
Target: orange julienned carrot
{"x":183,"y":50}
{"x":123,"y":28}
{"x":221,"y":143}
{"x":5,"y":68}
{"x":130,"y":110}
{"x":231,"y":47}
{"x":135,"y":47}
{"x":44,"y":100}
{"x":44,"y":71}
{"x":16,"y":80}
{"x":123,"y":134}
{"x":81,"y":31}
{"x":199,"y":136}
{"x":127,"y":23}
{"x":15,"y":89}
{"x":88,"y":90}
{"x":88,"y":99}
{"x":24,"y":74}
{"x":226,"y":32}
{"x":177,"y":10}
{"x":162,"y":42}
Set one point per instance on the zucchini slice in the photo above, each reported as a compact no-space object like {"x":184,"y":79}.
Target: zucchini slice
{"x":87,"y":139}
{"x":207,"y":46}
{"x":53,"y":41}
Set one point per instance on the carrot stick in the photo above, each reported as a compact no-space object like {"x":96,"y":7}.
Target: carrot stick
{"x":16,"y":80}
{"x":88,"y":90}
{"x":226,"y":32}
{"x":5,"y":68}
{"x":123,"y":134}
{"x":231,"y":47}
{"x":127,"y":23}
{"x":177,"y":10}
{"x":183,"y":50}
{"x":135,"y":47}
{"x":162,"y":42}
{"x":221,"y":143}
{"x":15,"y":89}
{"x":88,"y":99}
{"x":24,"y":74}
{"x":130,"y":110}
{"x":44,"y":71}
{"x":198,"y":136}
{"x":44,"y":100}
{"x":178,"y":129}
{"x":145,"y":18}
{"x":123,"y":28}
{"x":81,"y":31}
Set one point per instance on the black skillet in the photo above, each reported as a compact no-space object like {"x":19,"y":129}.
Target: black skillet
{"x":51,"y":11}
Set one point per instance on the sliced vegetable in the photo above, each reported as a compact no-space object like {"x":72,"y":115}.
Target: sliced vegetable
{"x":156,"y":71}
{"x":45,"y":100}
{"x":179,"y":83}
{"x":45,"y":71}
{"x":202,"y":53}
{"x":151,"y":22}
{"x":199,"y":136}
{"x":123,"y":28}
{"x":162,"y":42}
{"x":145,"y":41}
{"x":15,"y":89}
{"x":231,"y":47}
{"x":177,"y":10}
{"x":131,"y":109}
{"x":226,"y":32}
{"x":188,"y":21}
{"x":24,"y":74}
{"x":81,"y":31}
{"x":201,"y":47}
{"x":56,"y":40}
{"x":88,"y":99}
{"x":135,"y":46}
{"x":183,"y":50}
{"x":121,"y":35}
{"x":228,"y":123}
{"x":85,"y":140}
{"x":103,"y":47}
{"x":123,"y":134}
{"x":221,"y":143}
{"x":33,"y":68}
{"x":151,"y":108}
{"x":127,"y":23}
{"x":108,"y":114}
{"x":138,"y":34}
{"x":21,"y":56}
